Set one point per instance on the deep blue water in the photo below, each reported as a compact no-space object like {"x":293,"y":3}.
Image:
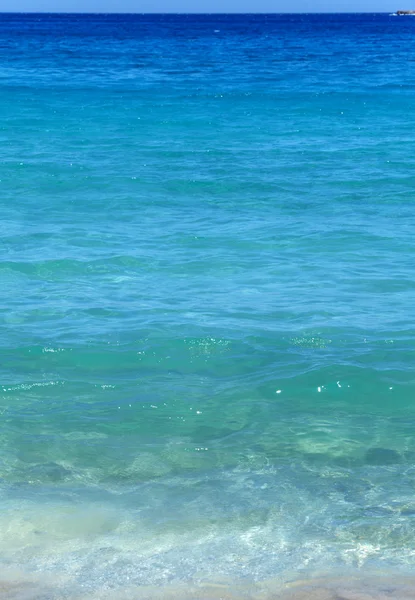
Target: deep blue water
{"x":207,"y":301}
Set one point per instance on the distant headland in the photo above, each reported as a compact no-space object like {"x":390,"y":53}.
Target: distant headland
{"x":405,"y":12}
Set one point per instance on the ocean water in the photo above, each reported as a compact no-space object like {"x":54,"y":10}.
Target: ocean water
{"x":207,"y":300}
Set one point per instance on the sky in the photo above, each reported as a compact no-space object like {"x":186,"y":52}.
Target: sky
{"x":197,"y":6}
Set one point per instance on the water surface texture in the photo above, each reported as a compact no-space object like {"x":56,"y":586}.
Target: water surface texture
{"x":207,"y":300}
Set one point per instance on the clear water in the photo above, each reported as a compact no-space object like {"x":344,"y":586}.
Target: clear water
{"x":207,"y":297}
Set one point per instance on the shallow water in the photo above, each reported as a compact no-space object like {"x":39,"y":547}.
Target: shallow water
{"x":207,"y":271}
{"x":375,"y":587}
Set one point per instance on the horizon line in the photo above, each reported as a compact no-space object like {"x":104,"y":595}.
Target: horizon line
{"x":53,"y":12}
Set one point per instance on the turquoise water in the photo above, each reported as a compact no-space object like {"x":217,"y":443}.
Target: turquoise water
{"x":207,"y":292}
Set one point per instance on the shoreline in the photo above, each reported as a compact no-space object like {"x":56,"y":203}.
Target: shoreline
{"x":330,"y":587}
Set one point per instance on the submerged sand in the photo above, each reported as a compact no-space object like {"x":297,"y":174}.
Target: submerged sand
{"x":326,"y":588}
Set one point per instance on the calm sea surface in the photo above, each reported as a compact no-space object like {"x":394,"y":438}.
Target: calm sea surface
{"x":207,"y":300}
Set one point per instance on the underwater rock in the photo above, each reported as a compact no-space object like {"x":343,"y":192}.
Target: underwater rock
{"x":48,"y":472}
{"x":382,"y":456}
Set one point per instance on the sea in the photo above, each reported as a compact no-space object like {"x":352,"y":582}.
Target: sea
{"x":207,"y":305}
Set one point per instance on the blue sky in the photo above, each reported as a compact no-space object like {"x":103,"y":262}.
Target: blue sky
{"x":205,"y":5}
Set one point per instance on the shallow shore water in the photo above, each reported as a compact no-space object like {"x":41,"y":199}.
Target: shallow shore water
{"x":352,"y":587}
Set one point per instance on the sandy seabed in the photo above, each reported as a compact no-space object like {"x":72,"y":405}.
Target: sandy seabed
{"x":14,"y":586}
